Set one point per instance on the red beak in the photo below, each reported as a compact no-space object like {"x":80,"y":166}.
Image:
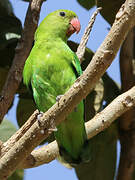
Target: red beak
{"x":74,"y":26}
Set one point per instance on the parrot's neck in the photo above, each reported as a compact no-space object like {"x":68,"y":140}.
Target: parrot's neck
{"x":54,"y":32}
{"x":52,"y":38}
{"x":45,"y":36}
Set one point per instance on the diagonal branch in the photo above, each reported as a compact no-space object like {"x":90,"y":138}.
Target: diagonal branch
{"x":97,"y":124}
{"x":22,"y":51}
{"x":83,"y":85}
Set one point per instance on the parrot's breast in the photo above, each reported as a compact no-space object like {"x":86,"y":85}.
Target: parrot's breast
{"x":51,"y":70}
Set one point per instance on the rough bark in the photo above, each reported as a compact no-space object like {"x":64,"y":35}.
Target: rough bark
{"x":127,"y":120}
{"x":21,"y":53}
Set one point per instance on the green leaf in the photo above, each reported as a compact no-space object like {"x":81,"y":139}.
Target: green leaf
{"x":7,"y":129}
{"x":10,"y":31}
{"x":87,"y":4}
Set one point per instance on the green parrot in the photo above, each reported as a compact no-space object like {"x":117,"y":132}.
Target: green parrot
{"x":50,"y":70}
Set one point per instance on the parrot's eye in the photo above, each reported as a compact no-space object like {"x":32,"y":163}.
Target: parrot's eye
{"x":62,"y":14}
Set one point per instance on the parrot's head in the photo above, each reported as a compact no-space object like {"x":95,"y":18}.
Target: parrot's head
{"x":60,"y":23}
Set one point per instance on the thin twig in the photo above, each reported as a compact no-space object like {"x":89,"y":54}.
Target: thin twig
{"x":81,"y":48}
{"x":21,"y":53}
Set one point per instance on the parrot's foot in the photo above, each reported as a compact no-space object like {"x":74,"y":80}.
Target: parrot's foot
{"x":52,"y":123}
{"x":59,"y":97}
{"x":53,"y":127}
{"x":39,"y":117}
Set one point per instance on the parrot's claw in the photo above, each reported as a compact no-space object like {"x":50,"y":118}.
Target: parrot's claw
{"x":52,"y":130}
{"x":39,"y":117}
{"x":59,"y":97}
{"x":53,"y":127}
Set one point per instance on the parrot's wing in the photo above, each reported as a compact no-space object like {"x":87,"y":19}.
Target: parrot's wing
{"x":27,"y":73}
{"x":76,"y":66}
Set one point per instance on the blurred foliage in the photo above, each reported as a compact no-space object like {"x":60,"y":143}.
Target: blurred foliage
{"x":109,"y":9}
{"x":17,"y":175}
{"x":7,"y":129}
{"x":25,"y":108}
{"x":87,"y":4}
{"x":110,"y":94}
{"x":5,"y":8}
{"x":10,"y":31}
{"x":9,"y":34}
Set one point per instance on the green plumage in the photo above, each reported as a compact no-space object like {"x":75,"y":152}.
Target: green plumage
{"x":50,"y":70}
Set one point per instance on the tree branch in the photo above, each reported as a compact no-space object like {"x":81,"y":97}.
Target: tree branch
{"x":127,"y":120}
{"x":41,"y":156}
{"x":97,"y":124}
{"x":22,"y":51}
{"x":83,"y":85}
{"x":81,"y":48}
{"x":127,"y":75}
{"x":11,"y":141}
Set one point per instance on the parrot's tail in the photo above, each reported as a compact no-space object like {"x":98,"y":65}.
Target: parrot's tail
{"x":69,"y":162}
